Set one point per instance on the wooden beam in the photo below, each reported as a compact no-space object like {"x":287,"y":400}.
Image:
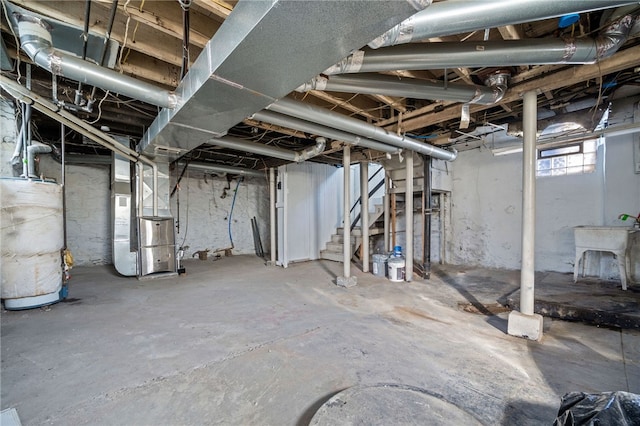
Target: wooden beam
{"x":510,"y":32}
{"x":395,"y":103}
{"x":219,"y":8}
{"x":341,"y":103}
{"x":274,"y":128}
{"x":566,"y":77}
{"x":165,"y":17}
{"x":153,"y":43}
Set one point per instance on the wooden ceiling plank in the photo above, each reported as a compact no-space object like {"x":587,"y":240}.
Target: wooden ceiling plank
{"x":342,"y":103}
{"x":160,"y":16}
{"x":395,"y":103}
{"x":219,"y":8}
{"x":154,"y":44}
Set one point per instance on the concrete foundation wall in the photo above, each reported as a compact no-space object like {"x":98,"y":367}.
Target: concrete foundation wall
{"x":205,"y":205}
{"x":9,"y":134}
{"x":203,"y":212}
{"x":486,"y":206}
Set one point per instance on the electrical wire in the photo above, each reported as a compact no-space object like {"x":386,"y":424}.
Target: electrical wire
{"x":6,"y":15}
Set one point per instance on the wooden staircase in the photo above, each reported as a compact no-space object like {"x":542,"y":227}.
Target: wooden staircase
{"x":334,"y":248}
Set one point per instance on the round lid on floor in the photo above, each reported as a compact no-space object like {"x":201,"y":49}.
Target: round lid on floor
{"x":389,"y":404}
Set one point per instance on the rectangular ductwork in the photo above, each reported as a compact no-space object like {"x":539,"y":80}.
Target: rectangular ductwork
{"x":263,"y":51}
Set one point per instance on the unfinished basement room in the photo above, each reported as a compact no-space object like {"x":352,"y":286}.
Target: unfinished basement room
{"x":305,"y":212}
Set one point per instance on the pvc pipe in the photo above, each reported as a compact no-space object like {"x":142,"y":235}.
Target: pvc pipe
{"x":408,"y":203}
{"x":32,"y":150}
{"x":527,"y":273}
{"x":364,"y":213}
{"x":26,"y":139}
{"x":316,"y":129}
{"x":140,"y":191}
{"x":272,"y":212}
{"x":336,"y":120}
{"x":386,"y":212}
{"x":346,"y":234}
{"x":459,"y":16}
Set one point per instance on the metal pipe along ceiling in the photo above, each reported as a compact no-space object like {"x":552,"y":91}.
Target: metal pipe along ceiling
{"x":423,"y":56}
{"x":316,"y":129}
{"x":459,"y":16}
{"x":407,"y":88}
{"x":333,"y":119}
{"x":35,"y":41}
{"x":270,"y":151}
{"x":215,"y":168}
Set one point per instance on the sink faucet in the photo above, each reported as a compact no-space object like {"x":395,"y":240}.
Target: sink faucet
{"x":636,"y":219}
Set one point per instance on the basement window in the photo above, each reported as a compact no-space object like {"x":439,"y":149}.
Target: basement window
{"x":567,"y":160}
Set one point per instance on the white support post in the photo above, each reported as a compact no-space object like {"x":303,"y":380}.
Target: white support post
{"x":272,"y":214}
{"x":526,"y":323}
{"x":346,"y":280}
{"x":408,"y":203}
{"x":364,"y":213}
{"x":386,"y":212}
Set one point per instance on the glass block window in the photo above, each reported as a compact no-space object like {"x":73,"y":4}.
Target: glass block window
{"x":568,"y":160}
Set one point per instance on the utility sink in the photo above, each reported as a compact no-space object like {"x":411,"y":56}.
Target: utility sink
{"x":619,"y":240}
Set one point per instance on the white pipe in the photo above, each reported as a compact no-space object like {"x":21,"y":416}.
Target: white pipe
{"x":272,"y":212}
{"x":346,"y":235}
{"x":26,"y":139}
{"x":140,"y":192}
{"x":386,"y":212}
{"x":154,"y":171}
{"x":32,"y":150}
{"x":364,"y":213}
{"x":408,"y":203}
{"x":527,"y":273}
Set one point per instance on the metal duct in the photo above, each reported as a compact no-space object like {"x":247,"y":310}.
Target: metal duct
{"x":221,"y":89}
{"x":316,"y":129}
{"x":269,"y":151}
{"x":32,"y":150}
{"x":459,"y":16}
{"x":408,"y":88}
{"x":215,"y":168}
{"x":330,"y":118}
{"x":36,"y":42}
{"x":424,"y":56}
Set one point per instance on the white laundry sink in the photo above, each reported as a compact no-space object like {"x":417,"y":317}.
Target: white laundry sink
{"x":615,"y":239}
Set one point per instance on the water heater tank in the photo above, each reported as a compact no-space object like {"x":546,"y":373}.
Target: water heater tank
{"x":31,"y":225}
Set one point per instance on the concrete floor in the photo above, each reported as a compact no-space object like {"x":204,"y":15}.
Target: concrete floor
{"x":236,"y":342}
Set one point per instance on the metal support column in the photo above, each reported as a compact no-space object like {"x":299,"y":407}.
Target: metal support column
{"x":385,"y":200}
{"x":427,"y":207}
{"x":272,"y":214}
{"x":408,"y":210}
{"x":346,"y":280}
{"x":525,"y":323}
{"x":364,"y":213}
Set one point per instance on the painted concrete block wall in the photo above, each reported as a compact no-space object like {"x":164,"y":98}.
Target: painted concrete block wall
{"x":88,"y":209}
{"x":203,"y":213}
{"x":205,"y":208}
{"x":487,"y":197}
